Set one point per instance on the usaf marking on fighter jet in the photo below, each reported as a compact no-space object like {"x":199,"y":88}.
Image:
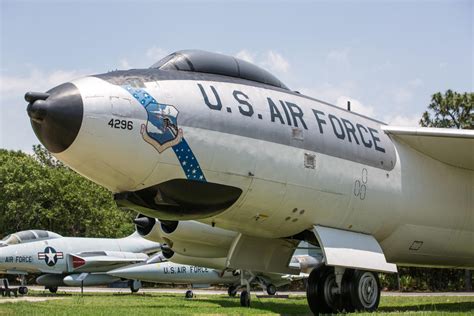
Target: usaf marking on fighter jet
{"x":210,"y":137}
{"x":208,"y":248}
{"x":200,"y":277}
{"x":70,"y":261}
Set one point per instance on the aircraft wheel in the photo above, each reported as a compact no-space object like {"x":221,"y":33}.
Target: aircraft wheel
{"x":271,"y":289}
{"x":135,"y":285}
{"x":346,"y":291}
{"x":53,"y":289}
{"x":321,"y":291}
{"x":245,"y":298}
{"x":189,"y":294}
{"x":365,"y":291}
{"x":232,"y":291}
{"x":23,"y":290}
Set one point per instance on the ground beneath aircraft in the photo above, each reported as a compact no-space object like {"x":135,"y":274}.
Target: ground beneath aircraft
{"x":157,"y":303}
{"x":27,"y":299}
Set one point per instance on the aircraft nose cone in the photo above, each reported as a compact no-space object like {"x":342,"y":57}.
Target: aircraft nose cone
{"x":56,"y":116}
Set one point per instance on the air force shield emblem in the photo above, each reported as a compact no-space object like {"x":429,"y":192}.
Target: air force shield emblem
{"x":161,"y":130}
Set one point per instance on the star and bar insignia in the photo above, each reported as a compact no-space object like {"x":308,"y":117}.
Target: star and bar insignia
{"x":50,"y":256}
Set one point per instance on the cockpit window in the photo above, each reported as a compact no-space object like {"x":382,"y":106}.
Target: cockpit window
{"x":206,"y":62}
{"x":28,"y":236}
{"x":11,"y":240}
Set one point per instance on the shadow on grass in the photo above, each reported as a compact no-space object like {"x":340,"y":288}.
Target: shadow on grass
{"x":434,"y":307}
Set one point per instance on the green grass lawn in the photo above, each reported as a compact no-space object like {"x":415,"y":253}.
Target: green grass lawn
{"x":172,"y":304}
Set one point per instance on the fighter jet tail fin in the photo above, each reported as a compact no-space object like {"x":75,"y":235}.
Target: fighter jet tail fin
{"x":454,"y":147}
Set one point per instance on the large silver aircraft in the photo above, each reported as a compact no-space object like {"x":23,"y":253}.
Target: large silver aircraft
{"x":213,"y":138}
{"x":70,"y":261}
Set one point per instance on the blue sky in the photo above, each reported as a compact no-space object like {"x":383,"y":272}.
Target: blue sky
{"x":387,"y":57}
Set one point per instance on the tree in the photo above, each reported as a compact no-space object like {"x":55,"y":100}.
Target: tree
{"x":39,"y":192}
{"x":451,"y":110}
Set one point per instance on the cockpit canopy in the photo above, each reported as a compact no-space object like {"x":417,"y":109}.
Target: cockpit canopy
{"x":218,"y":64}
{"x":27,"y":236}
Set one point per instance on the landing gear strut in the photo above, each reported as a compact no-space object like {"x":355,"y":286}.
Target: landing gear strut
{"x":335,"y":290}
{"x":23,"y":290}
{"x":245,"y":282}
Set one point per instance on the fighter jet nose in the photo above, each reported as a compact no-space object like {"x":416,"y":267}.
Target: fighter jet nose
{"x":56,"y":116}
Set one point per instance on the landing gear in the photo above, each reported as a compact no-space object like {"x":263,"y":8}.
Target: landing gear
{"x":53,"y":289}
{"x":232,"y":291}
{"x":320,"y":292}
{"x":189,"y":294}
{"x":23,"y":290}
{"x":245,"y":281}
{"x":245,"y":298}
{"x":271,"y":289}
{"x":364,"y":291}
{"x":334,"y":290}
{"x":135,"y":285}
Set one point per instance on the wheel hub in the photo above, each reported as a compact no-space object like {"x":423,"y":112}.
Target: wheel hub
{"x":368,"y":290}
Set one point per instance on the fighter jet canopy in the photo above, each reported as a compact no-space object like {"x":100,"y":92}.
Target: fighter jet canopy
{"x":218,"y":64}
{"x":27,"y":236}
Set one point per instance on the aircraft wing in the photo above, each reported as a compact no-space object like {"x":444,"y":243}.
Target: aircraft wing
{"x":103,"y":260}
{"x":452,"y":146}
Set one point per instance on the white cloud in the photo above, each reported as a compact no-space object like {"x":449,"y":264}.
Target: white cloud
{"x":356,"y":106}
{"x":36,"y":80}
{"x":124,"y":64}
{"x":329,"y":92}
{"x":403,"y":120}
{"x":156,"y":53}
{"x":276,"y":62}
{"x":270,"y":60}
{"x":246,"y":55}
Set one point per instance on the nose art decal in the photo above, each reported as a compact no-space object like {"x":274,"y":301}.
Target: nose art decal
{"x":162,"y":132}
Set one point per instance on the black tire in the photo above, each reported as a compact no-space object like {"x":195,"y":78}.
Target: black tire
{"x":23,"y":290}
{"x":244,"y":299}
{"x":53,"y":289}
{"x":134,"y":286}
{"x":321,"y":301}
{"x":232,"y":291}
{"x":271,"y":289}
{"x":346,"y":300}
{"x":189,"y":294}
{"x":365,"y":290}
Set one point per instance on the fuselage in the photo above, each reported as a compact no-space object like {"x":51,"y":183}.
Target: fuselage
{"x":298,"y":161}
{"x":52,"y":255}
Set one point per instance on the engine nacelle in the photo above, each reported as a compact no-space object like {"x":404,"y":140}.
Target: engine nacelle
{"x":188,"y":238}
{"x":149,"y":228}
